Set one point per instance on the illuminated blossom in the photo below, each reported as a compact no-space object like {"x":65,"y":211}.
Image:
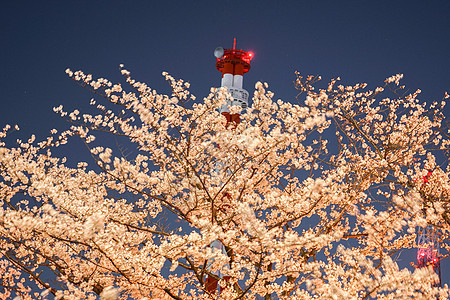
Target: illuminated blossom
{"x":312,"y":200}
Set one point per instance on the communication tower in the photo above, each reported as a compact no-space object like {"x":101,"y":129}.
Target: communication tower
{"x":233,"y":64}
{"x":428,"y":251}
{"x":428,"y":245}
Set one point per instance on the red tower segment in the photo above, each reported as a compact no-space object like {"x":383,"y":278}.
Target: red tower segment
{"x":233,"y":61}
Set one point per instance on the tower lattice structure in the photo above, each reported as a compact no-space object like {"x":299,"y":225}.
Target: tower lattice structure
{"x":428,"y":245}
{"x":428,"y":251}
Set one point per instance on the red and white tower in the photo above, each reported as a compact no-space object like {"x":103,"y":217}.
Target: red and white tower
{"x":428,"y":251}
{"x":233,"y":64}
{"x":428,"y":245}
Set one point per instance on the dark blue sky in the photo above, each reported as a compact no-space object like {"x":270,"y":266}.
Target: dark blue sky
{"x":360,"y":41}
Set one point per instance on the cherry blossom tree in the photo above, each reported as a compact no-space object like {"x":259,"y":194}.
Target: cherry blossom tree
{"x":312,"y":200}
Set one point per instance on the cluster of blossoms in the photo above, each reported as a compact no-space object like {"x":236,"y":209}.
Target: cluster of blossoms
{"x":310,"y":200}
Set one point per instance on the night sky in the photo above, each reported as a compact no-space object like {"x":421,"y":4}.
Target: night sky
{"x":360,"y":41}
